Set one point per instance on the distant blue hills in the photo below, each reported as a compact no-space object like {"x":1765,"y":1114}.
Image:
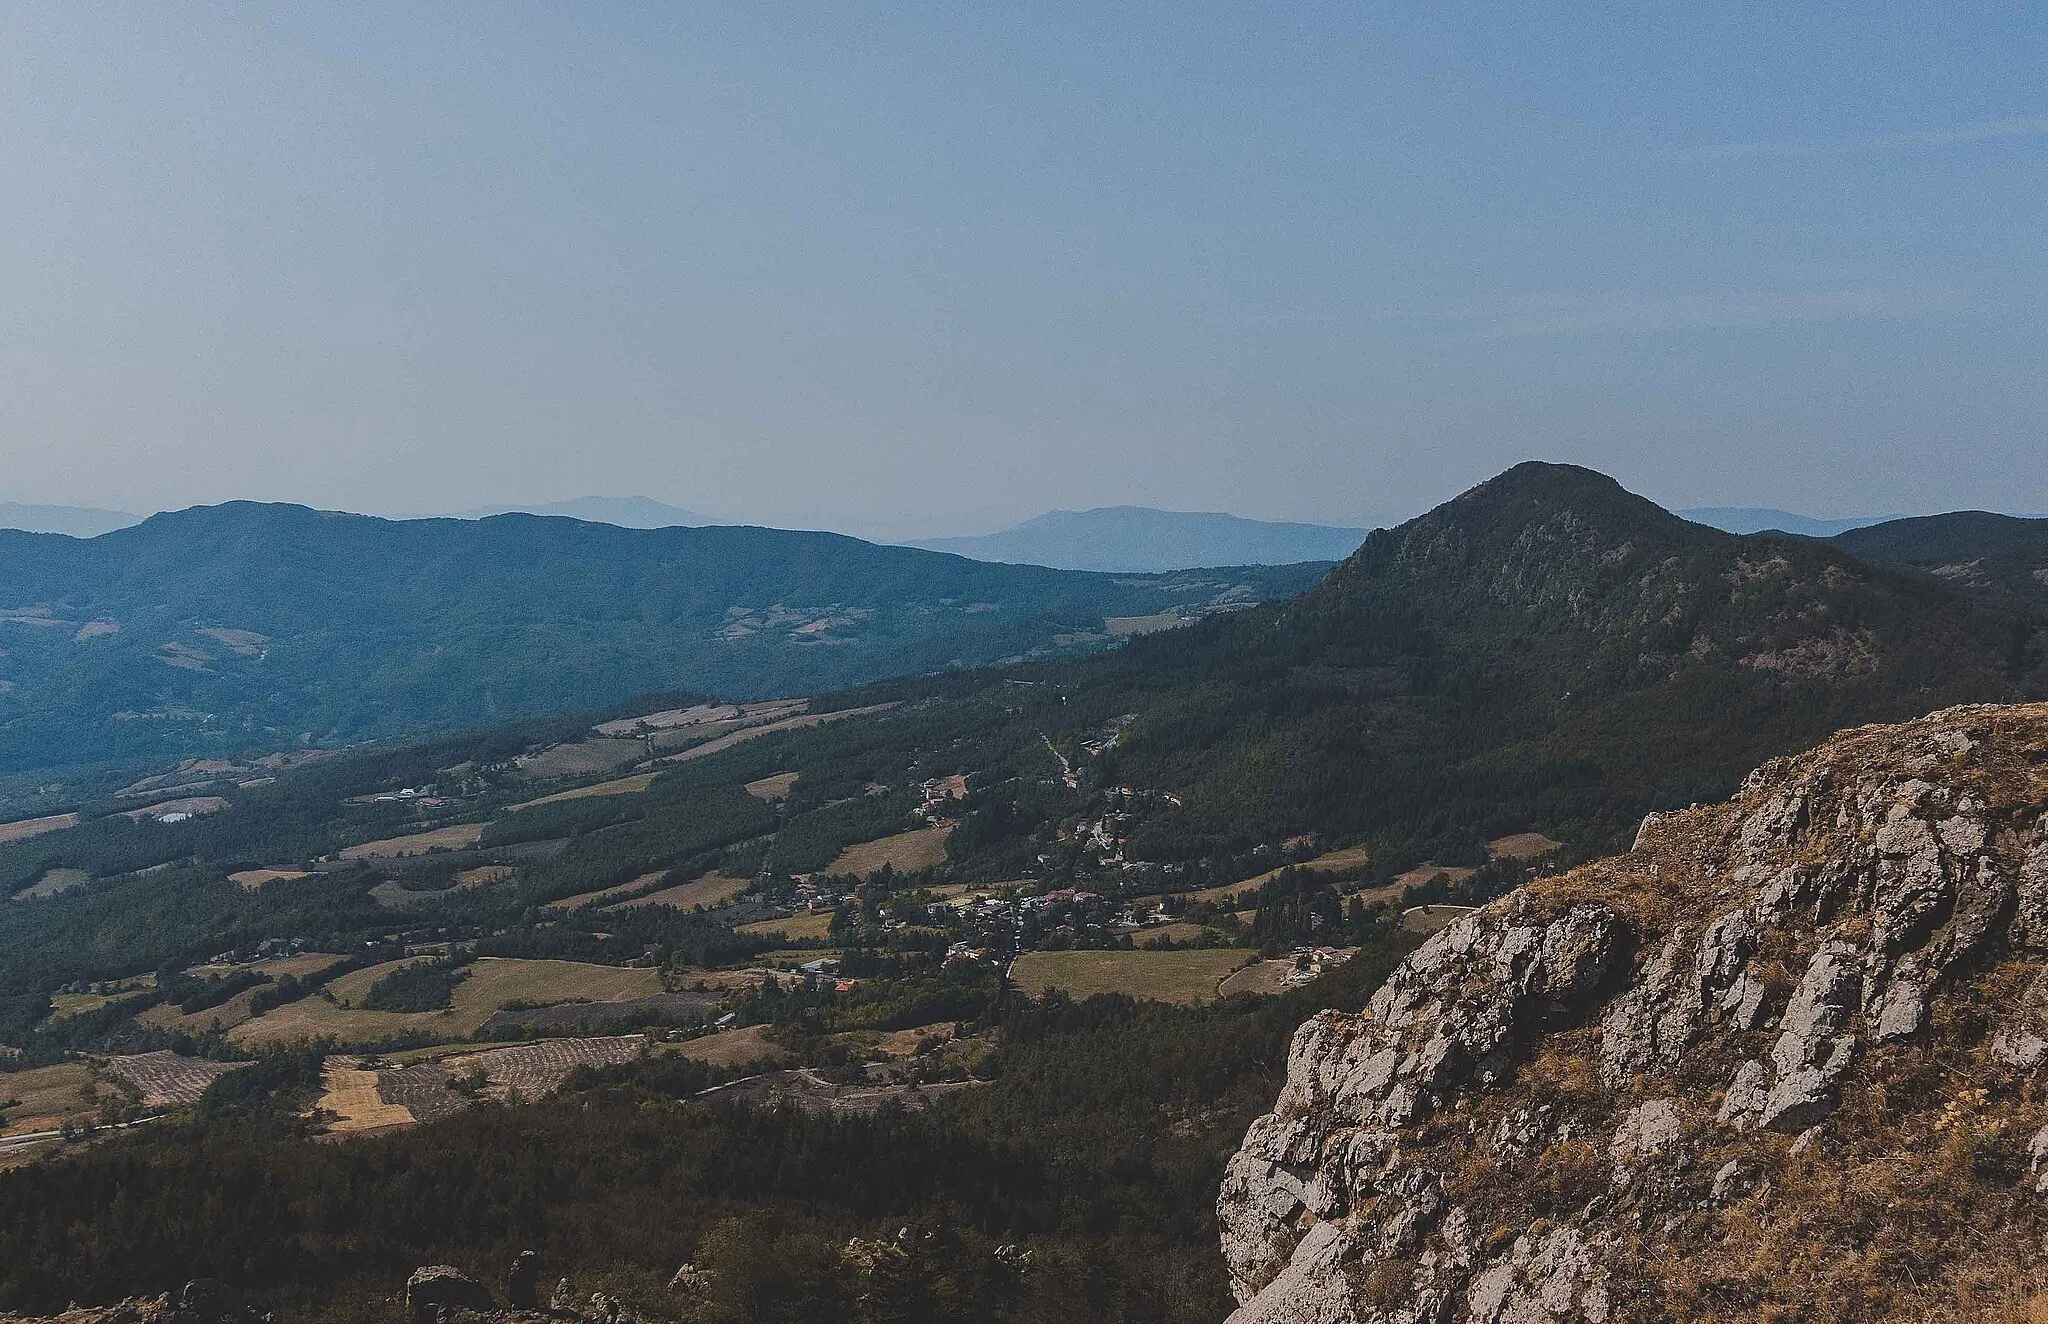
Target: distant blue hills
{"x":1138,"y":539}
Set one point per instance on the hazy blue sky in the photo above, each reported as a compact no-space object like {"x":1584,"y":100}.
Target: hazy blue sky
{"x":929,"y":268}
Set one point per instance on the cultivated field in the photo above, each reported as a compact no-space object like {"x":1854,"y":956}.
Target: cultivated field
{"x":255,"y":878}
{"x":906,"y":852}
{"x":797,"y":928}
{"x":632,"y":785}
{"x":772,"y":788}
{"x":605,"y":893}
{"x":23,"y":829}
{"x":731,"y":1048}
{"x":583,"y":758}
{"x":1122,"y":627}
{"x":53,"y":882}
{"x":538,"y":1069}
{"x":710,"y":890}
{"x":460,"y":837}
{"x":166,"y":1080}
{"x":350,"y":1092}
{"x":1181,"y":977}
{"x":492,"y":983}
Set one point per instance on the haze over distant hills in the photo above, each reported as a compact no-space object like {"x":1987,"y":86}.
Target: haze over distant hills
{"x":73,"y":521}
{"x":1763,"y":519}
{"x":1138,"y":538}
{"x":225,"y":626}
{"x":633,"y":512}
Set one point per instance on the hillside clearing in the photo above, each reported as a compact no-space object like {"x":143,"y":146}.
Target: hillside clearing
{"x":252,"y":879}
{"x":731,"y":1048}
{"x":350,"y":1093}
{"x":632,"y":785}
{"x":1185,"y":978}
{"x":710,"y":890}
{"x":190,"y":807}
{"x":906,"y":852}
{"x":772,"y":788}
{"x":23,"y":829}
{"x":797,"y":928}
{"x":53,"y":882}
{"x":1523,"y":846}
{"x":606,"y":893}
{"x":725,"y":742}
{"x":459,"y":837}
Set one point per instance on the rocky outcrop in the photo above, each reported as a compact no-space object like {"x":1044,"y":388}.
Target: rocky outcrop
{"x":1782,"y":1056}
{"x":201,"y":1301}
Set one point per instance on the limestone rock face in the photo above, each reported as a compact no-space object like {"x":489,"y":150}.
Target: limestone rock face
{"x":1786,"y":1051}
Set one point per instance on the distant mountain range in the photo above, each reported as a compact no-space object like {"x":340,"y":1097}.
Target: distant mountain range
{"x":73,"y":521}
{"x":222,"y":627}
{"x":634,"y":512}
{"x":1763,"y":519}
{"x":1138,"y":538}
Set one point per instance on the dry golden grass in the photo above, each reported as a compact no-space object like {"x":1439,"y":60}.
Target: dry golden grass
{"x":50,"y":1096}
{"x":23,"y":829}
{"x":710,"y":890}
{"x":252,"y":879}
{"x":772,"y":788}
{"x":797,"y":928}
{"x":350,"y":1093}
{"x":632,"y":785}
{"x":493,"y":982}
{"x":1185,"y":978}
{"x":1523,"y":846}
{"x":906,"y":852}
{"x":483,"y":875}
{"x":1260,"y":977}
{"x":459,"y":837}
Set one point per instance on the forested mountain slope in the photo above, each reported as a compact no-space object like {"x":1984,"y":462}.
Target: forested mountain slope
{"x":230,"y":626}
{"x":1546,"y":650}
{"x":1997,"y":556}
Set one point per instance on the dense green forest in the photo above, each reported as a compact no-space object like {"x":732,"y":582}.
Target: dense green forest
{"x":1095,"y":1147}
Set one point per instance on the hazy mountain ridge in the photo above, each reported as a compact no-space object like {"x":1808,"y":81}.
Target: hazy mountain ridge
{"x":1139,"y":538}
{"x":72,"y":521}
{"x":634,"y":512}
{"x":267,"y":624}
{"x":1767,"y":519}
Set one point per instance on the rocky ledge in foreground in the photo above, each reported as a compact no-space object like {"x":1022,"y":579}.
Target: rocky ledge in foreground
{"x":1780,"y":1061}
